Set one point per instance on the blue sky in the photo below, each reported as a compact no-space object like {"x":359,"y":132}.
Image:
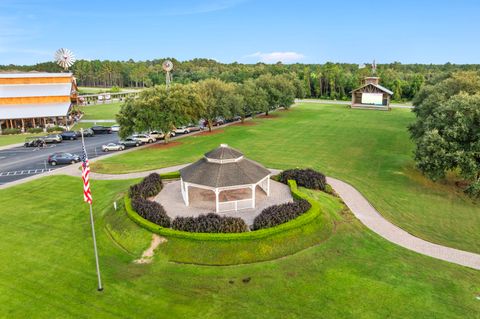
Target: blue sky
{"x":246,"y":31}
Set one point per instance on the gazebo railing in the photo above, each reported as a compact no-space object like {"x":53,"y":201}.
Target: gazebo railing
{"x":235,"y":205}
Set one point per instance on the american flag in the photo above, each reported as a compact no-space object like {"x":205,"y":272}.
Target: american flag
{"x":87,"y":195}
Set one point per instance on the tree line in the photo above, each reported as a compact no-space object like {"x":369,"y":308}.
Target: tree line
{"x":163,"y":108}
{"x":328,"y":81}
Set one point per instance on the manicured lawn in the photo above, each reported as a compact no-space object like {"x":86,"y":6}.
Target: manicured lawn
{"x":371,"y":150}
{"x":48,"y":271}
{"x":15,"y":139}
{"x":101,"y":111}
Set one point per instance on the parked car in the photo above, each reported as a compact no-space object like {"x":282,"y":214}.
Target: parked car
{"x":113,"y":147}
{"x":69,"y":135}
{"x":193,"y":128}
{"x":63,"y":158}
{"x":158,"y":135}
{"x":98,"y":129}
{"x":87,"y":132}
{"x":181,"y":130}
{"x":130,"y":142}
{"x":53,"y":138}
{"x":218,"y":121}
{"x":115,"y":128}
{"x":34,"y":142}
{"x":233,"y":119}
{"x":144,"y":138}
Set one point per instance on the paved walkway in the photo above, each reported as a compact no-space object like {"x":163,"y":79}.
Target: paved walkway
{"x":369,"y":216}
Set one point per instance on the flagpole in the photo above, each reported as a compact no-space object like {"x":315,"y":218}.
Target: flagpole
{"x":100,"y":287}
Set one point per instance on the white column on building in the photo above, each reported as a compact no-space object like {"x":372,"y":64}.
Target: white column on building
{"x":253,"y":187}
{"x":187,"y":200}
{"x":216,"y":199}
{"x":268,"y":185}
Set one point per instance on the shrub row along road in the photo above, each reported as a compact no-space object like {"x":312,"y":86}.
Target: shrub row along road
{"x":20,"y":162}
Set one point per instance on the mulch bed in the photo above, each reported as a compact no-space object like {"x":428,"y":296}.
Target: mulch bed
{"x":163,"y":145}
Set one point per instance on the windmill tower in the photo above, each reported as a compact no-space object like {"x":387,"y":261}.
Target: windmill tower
{"x":167,"y":66}
{"x":64,"y":58}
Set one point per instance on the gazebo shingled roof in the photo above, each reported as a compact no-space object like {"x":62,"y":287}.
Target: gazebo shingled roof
{"x":224,"y":167}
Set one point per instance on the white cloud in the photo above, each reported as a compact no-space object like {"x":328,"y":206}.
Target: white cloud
{"x":273,"y":57}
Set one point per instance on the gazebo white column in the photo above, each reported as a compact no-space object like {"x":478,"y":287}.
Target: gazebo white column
{"x":187,"y":200}
{"x":268,"y":185}
{"x":216,"y":200}
{"x":253,"y":188}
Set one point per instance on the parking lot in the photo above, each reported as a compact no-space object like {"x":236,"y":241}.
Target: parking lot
{"x":20,"y":162}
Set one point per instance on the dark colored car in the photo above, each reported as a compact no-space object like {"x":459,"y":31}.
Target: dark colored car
{"x":69,"y":135}
{"x":34,"y":142}
{"x":218,"y":121}
{"x":63,"y":158}
{"x":130,"y":142}
{"x":87,"y":132}
{"x":101,"y":129}
{"x":53,"y":138}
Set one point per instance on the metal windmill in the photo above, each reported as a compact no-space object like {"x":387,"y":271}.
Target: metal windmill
{"x":167,"y":66}
{"x":64,"y":58}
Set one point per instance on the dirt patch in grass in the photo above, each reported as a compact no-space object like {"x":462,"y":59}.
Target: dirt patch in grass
{"x":210,"y":133}
{"x":148,"y":254}
{"x":163,"y":145}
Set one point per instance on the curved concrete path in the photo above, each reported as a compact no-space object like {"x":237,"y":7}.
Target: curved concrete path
{"x":355,"y":201}
{"x":369,"y":216}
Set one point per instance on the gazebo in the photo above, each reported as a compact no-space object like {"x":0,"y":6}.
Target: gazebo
{"x":229,"y":175}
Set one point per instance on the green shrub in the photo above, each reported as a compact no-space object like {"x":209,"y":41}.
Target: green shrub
{"x":278,"y":214}
{"x":11,"y":131}
{"x":151,"y":211}
{"x":304,"y":177}
{"x":55,"y":129}
{"x":35,"y":130}
{"x":114,"y":89}
{"x":210,"y":223}
{"x":148,"y":187}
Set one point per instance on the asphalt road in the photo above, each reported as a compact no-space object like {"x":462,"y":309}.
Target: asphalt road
{"x":20,"y":162}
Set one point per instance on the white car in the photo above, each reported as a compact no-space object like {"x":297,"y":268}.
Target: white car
{"x":115,"y":128}
{"x":182,"y":130}
{"x":113,"y":147}
{"x":157,"y":135}
{"x":144,"y":138}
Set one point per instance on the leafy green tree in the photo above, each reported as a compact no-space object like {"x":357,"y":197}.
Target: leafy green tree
{"x":255,"y":99}
{"x":159,"y":108}
{"x":447,"y":130}
{"x":212,"y":93}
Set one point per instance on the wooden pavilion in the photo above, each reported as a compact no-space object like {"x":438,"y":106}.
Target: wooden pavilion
{"x":35,"y":99}
{"x":371,"y":95}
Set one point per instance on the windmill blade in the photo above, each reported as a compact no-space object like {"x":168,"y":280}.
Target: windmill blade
{"x":64,"y":58}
